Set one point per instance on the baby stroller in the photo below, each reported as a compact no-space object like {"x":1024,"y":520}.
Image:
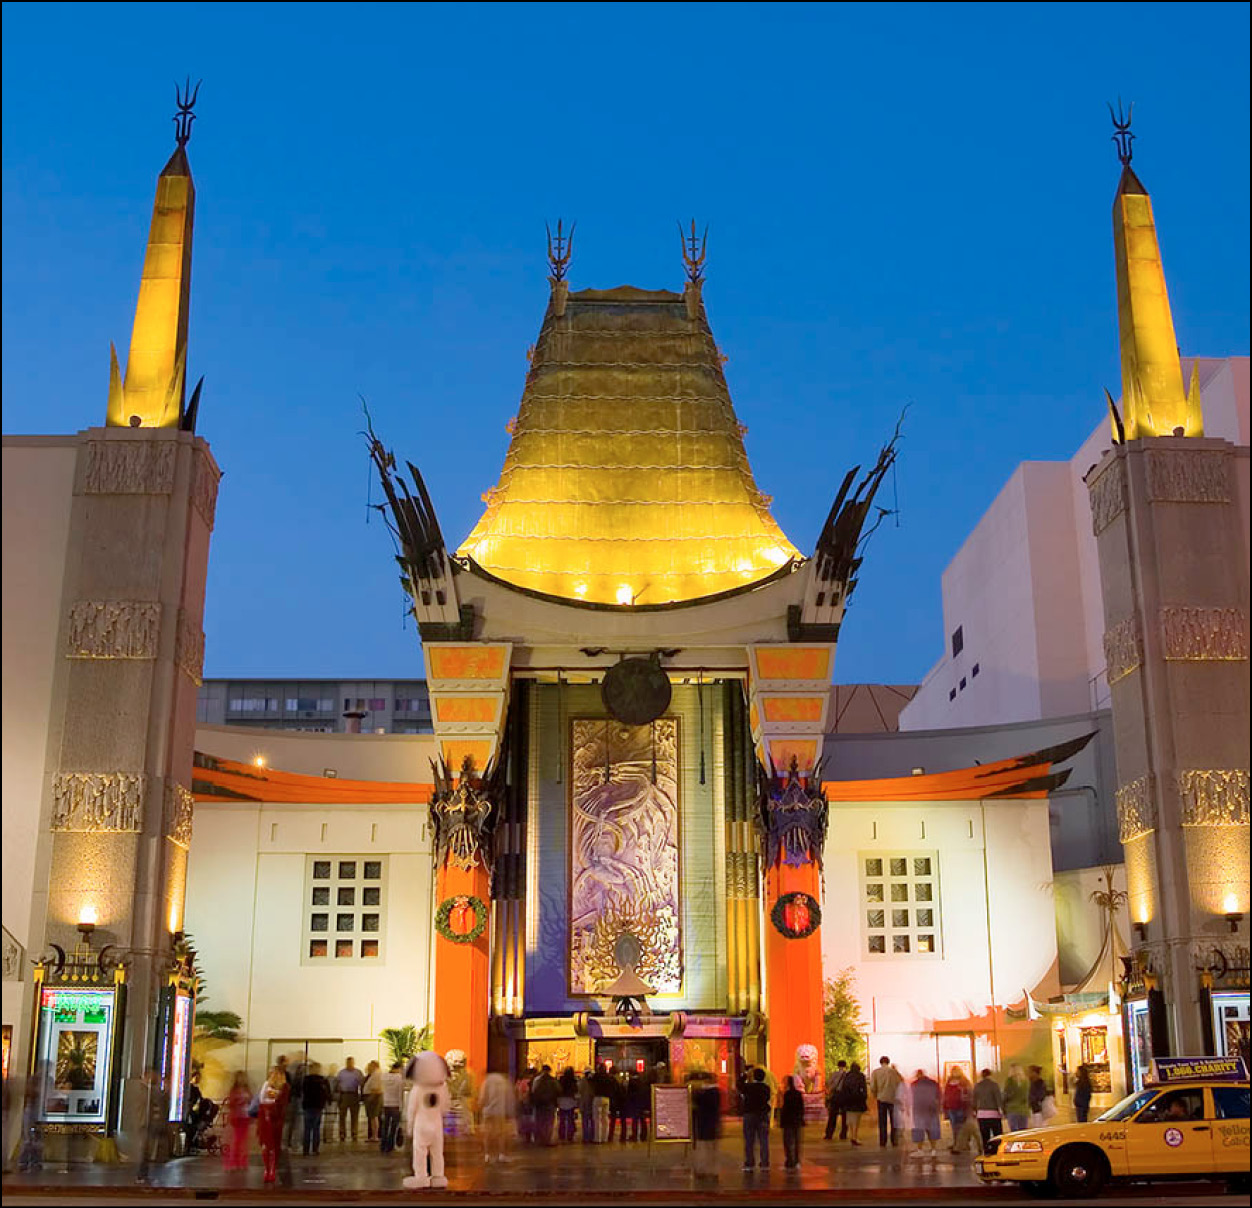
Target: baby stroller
{"x":201,"y":1136}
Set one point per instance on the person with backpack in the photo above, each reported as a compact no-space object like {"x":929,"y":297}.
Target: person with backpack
{"x":836,"y":1115}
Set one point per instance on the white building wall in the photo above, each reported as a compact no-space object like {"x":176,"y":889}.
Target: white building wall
{"x":1025,"y":585}
{"x":246,"y":904}
{"x":37,"y":479}
{"x":998,"y":930}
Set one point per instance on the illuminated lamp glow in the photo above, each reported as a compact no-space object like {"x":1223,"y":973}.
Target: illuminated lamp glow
{"x":259,"y":760}
{"x":625,"y":595}
{"x":88,"y":916}
{"x":1230,"y":904}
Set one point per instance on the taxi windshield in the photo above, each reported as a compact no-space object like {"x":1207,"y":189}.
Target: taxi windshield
{"x":1130,"y":1105}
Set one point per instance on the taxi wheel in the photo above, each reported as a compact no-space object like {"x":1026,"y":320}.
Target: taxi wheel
{"x":1079,"y":1170}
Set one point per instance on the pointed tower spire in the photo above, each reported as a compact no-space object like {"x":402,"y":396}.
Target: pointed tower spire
{"x":154,"y":389}
{"x":1154,"y":402}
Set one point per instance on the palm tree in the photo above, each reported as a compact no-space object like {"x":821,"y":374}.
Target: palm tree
{"x":218,"y":1025}
{"x":403,"y":1042}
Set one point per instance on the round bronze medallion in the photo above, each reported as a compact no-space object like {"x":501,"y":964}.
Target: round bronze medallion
{"x":635,"y":691}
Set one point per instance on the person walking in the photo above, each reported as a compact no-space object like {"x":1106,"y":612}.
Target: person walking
{"x":1016,"y":1099}
{"x":238,"y":1104}
{"x":791,"y":1117}
{"x":291,"y":1122}
{"x":956,"y":1096}
{"x":757,"y":1104}
{"x":855,"y":1101}
{"x":372,"y":1094}
{"x":314,"y":1095}
{"x":706,"y":1120}
{"x":988,"y":1107}
{"x":271,"y":1114}
{"x":496,"y":1108}
{"x":586,"y":1109}
{"x":566,"y":1104}
{"x":1082,"y":1094}
{"x":392,"y":1095}
{"x":525,"y":1107}
{"x":544,"y":1092}
{"x":602,"y":1104}
{"x":617,"y":1106}
{"x":1039,"y":1098}
{"x":637,"y":1107}
{"x":835,"y":1113}
{"x":884,"y":1085}
{"x":348,"y":1085}
{"x":925,"y":1102}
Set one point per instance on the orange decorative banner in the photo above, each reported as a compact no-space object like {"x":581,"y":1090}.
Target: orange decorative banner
{"x":466,"y":662}
{"x":792,"y":662}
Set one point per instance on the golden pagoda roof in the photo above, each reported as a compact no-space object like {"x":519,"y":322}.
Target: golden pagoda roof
{"x":626,"y":479}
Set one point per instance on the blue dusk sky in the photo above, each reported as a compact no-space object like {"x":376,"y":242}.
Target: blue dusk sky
{"x":908,"y":204}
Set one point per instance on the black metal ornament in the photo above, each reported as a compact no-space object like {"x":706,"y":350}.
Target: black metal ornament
{"x":636,"y":691}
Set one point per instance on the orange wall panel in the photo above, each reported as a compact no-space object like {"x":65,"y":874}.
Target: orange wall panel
{"x":466,"y":662}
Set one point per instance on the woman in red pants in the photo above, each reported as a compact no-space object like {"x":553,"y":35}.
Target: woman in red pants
{"x":270,"y":1116}
{"x":238,"y":1102}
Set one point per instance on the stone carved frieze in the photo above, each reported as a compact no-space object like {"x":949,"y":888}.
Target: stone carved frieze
{"x":1214,"y":797}
{"x":130,"y":467}
{"x":1181,"y":476}
{"x":13,"y":954}
{"x":1123,"y":648}
{"x":1204,"y":634}
{"x":204,"y":482}
{"x":1136,"y":809}
{"x":98,"y":801}
{"x":180,"y":808}
{"x":189,"y":647}
{"x":114,"y":629}
{"x":1108,"y":497}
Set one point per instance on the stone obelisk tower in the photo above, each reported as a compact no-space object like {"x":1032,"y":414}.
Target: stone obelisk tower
{"x":1169,"y":509}
{"x":116,"y":813}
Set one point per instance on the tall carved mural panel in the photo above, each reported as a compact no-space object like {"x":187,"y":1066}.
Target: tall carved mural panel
{"x":624,"y":852}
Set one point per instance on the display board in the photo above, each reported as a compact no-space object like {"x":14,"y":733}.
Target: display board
{"x":181,"y":1055}
{"x":74,"y":1054}
{"x":671,"y":1113}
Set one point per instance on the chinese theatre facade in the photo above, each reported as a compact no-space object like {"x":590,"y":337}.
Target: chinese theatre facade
{"x":629,"y":667}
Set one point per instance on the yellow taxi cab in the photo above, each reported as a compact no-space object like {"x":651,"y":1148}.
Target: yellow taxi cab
{"x":1190,"y":1121}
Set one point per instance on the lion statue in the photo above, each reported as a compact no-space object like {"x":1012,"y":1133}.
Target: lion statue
{"x":807,"y":1073}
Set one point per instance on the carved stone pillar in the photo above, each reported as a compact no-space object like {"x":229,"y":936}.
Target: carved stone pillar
{"x":1169,"y":525}
{"x":792,"y":815}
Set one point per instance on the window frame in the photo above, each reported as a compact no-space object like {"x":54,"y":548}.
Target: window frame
{"x":887,"y":885}
{"x":335,"y":910}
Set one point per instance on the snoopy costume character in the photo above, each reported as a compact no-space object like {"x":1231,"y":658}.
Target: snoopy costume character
{"x":428,"y":1101}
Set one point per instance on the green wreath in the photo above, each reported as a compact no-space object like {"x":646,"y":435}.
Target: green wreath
{"x":444,"y":914}
{"x":778,"y":916}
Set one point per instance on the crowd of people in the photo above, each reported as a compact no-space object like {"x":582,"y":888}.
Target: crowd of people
{"x":297,"y":1107}
{"x":913,"y":1111}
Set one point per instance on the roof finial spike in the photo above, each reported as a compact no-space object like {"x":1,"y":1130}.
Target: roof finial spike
{"x":560,"y":249}
{"x":185,"y":98}
{"x":1121,"y":124}
{"x":693,"y":251}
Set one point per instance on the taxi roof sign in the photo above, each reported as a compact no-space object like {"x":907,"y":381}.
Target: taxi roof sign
{"x":1165,"y":1070}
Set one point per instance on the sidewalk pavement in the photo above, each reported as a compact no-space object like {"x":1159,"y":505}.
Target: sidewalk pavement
{"x":566,"y":1173}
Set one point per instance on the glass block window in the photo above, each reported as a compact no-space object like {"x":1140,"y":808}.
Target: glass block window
{"x":355,"y":886}
{"x":908,"y":883}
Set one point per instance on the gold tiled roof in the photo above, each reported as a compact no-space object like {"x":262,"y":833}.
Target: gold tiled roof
{"x":626,"y":480}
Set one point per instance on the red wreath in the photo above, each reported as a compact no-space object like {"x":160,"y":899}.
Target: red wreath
{"x":796,"y":915}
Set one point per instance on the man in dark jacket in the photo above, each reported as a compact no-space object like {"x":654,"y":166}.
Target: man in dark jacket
{"x":544,"y":1092}
{"x":314,"y":1095}
{"x":757,"y":1108}
{"x":836,"y":1113}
